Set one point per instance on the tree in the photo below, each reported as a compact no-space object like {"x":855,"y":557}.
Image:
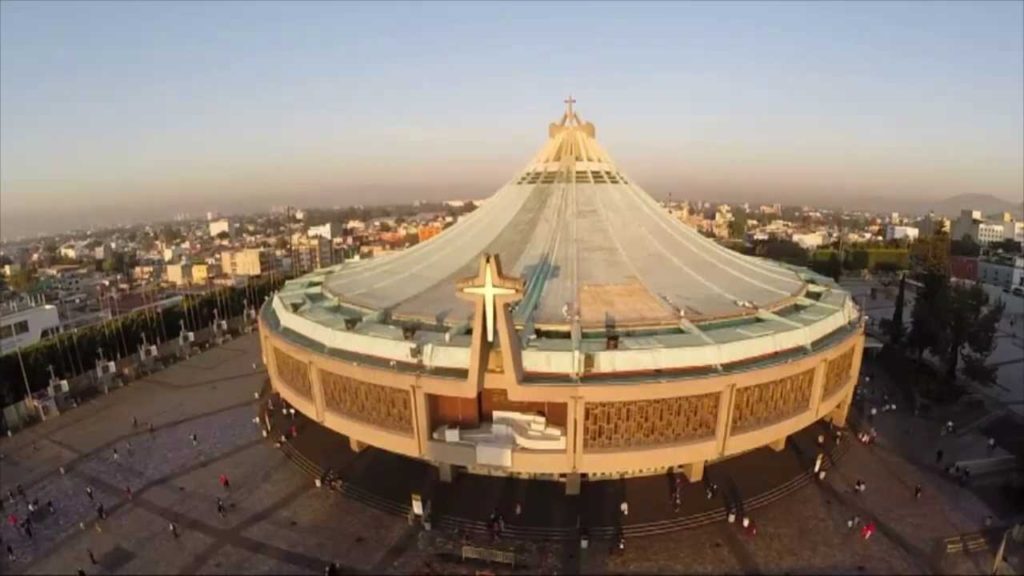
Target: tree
{"x":965,"y":246}
{"x":1007,"y":245}
{"x":930,"y":315}
{"x":896,"y":328}
{"x":169,"y":234}
{"x":784,"y":251}
{"x":835,"y":267}
{"x":114,"y":263}
{"x":930,"y":255}
{"x":980,"y":340}
{"x":23,"y":280}
{"x":223,"y":235}
{"x":738,"y":225}
{"x":954,"y":322}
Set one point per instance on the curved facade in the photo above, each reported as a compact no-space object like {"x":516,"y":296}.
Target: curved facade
{"x":619,"y":342}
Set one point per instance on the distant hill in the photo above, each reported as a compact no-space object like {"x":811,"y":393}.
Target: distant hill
{"x":949,"y":207}
{"x":987,"y":204}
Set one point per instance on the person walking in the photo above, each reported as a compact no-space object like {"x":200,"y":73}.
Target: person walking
{"x":128,"y":491}
{"x":938,"y":456}
{"x":991,"y":445}
{"x":20,"y":490}
{"x":220,"y":508}
{"x":195,"y":439}
{"x":917,"y":492}
{"x":225,"y":482}
{"x":135,"y":422}
{"x":50,"y":508}
{"x":10,"y":554}
{"x":92,"y":557}
{"x":116,"y":456}
{"x":101,"y":513}
{"x":174,"y":530}
{"x":624,"y":508}
{"x":26,"y":525}
{"x":88,"y":492}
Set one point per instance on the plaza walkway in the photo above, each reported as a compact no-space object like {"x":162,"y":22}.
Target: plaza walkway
{"x":277,"y":522}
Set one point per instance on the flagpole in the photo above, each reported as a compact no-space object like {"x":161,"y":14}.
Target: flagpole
{"x":24,"y":375}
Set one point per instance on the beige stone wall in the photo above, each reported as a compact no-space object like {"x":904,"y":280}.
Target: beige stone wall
{"x":649,"y":422}
{"x":388,"y":408}
{"x":610,"y":428}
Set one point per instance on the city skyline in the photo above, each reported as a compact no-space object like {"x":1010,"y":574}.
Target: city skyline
{"x":117,"y":112}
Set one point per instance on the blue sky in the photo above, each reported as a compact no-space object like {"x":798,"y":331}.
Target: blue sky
{"x":132,"y":110}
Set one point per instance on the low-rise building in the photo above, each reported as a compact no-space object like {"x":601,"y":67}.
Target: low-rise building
{"x":893,"y":232}
{"x":1003,"y":272}
{"x":179,"y":273}
{"x":311,"y":253}
{"x":810,"y":240}
{"x":222,"y":225}
{"x":248,"y":262}
{"x":202,"y":272}
{"x":329,"y":231}
{"x":428,"y":231}
{"x":24,"y":325}
{"x":972,"y":224}
{"x":964,"y":267}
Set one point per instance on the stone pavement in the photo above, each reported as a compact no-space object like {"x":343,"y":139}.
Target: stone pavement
{"x":278,"y":523}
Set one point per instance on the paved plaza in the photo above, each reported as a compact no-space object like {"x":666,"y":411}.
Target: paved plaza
{"x":277,"y":521}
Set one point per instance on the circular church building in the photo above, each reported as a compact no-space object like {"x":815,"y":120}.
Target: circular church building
{"x":569,"y":328}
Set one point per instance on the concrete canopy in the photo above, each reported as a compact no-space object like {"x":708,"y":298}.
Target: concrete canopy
{"x":588,"y":242}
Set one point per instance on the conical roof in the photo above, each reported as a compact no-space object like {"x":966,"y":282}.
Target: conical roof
{"x":586,"y":240}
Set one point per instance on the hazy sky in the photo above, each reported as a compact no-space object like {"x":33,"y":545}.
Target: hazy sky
{"x":125,"y":110}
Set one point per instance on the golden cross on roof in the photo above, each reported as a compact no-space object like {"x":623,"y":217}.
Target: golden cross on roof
{"x":568,"y":103}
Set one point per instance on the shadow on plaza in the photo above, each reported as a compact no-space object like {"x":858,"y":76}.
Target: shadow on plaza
{"x":388,"y":480}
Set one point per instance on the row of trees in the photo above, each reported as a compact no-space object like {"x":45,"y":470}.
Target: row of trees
{"x":76,"y":351}
{"x":953,"y":321}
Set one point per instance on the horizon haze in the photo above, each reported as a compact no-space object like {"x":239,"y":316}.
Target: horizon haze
{"x":116,"y":112}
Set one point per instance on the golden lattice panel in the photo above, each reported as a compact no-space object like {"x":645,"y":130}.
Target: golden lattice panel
{"x":382,"y":406}
{"x":838,"y":372}
{"x":772,"y":401}
{"x":294,"y":373}
{"x":649,"y":422}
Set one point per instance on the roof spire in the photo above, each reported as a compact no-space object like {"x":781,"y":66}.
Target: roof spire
{"x":568,"y":106}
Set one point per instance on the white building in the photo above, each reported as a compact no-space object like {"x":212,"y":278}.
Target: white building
{"x":21,"y":327}
{"x":328,"y":231}
{"x":901,"y":232}
{"x":1003,"y":273}
{"x":810,"y":240}
{"x":222,"y":225}
{"x":971,"y":223}
{"x":1014,"y":230}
